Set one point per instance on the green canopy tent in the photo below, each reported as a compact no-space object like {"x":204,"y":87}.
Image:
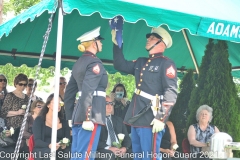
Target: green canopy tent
{"x":190,"y":24}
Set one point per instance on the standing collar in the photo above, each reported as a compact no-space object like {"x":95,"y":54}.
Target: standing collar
{"x":87,"y":53}
{"x":155,"y":55}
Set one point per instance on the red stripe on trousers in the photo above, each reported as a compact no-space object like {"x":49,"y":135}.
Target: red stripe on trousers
{"x":91,"y":140}
{"x":154,"y":145}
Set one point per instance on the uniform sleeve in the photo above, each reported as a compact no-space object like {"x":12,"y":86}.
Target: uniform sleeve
{"x":7,"y":106}
{"x":169,"y":83}
{"x":69,"y":97}
{"x":66,"y":129}
{"x":120,"y":63}
{"x":93,"y":75}
{"x":37,"y":133}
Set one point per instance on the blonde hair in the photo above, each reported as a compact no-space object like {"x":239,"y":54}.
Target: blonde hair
{"x":82,"y":47}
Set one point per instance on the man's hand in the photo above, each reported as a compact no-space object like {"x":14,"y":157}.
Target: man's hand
{"x":122,"y":151}
{"x":157,"y":125}
{"x":113,"y":32}
{"x":115,"y":150}
{"x":70,"y":123}
{"x":88,"y":125}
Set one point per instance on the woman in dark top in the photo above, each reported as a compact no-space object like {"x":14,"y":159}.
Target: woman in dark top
{"x":36,"y":107}
{"x":3,"y":89}
{"x":42,"y":131}
{"x":119,"y":97}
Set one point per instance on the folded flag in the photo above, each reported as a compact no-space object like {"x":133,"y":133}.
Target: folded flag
{"x":117,"y":24}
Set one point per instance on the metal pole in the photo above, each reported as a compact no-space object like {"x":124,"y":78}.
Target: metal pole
{"x":56,"y":90}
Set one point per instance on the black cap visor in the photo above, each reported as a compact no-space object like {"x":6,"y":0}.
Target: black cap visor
{"x":99,"y":38}
{"x":153,"y":34}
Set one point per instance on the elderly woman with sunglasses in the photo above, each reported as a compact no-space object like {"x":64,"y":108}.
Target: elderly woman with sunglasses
{"x":36,"y":107}
{"x":13,"y":110}
{"x":3,"y":89}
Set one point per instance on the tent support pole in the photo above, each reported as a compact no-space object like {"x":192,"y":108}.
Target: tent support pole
{"x":57,"y":75}
{"x":190,"y":50}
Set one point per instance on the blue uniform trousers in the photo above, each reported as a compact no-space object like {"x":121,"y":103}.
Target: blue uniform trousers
{"x":143,"y":143}
{"x":84,"y":143}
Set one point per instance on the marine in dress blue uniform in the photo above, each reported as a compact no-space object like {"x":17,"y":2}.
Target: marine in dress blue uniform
{"x":155,"y":75}
{"x":89,"y":79}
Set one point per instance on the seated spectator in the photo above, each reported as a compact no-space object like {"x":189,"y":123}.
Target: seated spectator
{"x":169,"y":143}
{"x":35,"y":109}
{"x":199,"y":134}
{"x":109,"y":134}
{"x":3,"y":89}
{"x":4,"y":132}
{"x":12,"y":110}
{"x":42,"y":131}
{"x":62,"y":88}
{"x":30,"y":88}
{"x":121,"y":103}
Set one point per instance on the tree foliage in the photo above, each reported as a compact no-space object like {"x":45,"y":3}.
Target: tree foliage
{"x":18,"y":6}
{"x":219,"y":92}
{"x":43,"y":76}
{"x":179,"y":112}
{"x":127,"y":80}
{"x":196,"y":94}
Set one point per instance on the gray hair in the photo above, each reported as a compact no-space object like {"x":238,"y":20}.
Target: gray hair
{"x":207,"y":108}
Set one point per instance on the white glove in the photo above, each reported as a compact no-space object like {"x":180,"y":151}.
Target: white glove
{"x":113,"y":32}
{"x":70,"y":123}
{"x":88,"y":125}
{"x":157,"y":125}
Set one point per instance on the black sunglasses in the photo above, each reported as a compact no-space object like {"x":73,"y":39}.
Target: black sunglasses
{"x":30,"y":85}
{"x":22,"y":84}
{"x":111,"y":103}
{"x":39,"y":106}
{"x":5,"y":80}
{"x":63,"y":83}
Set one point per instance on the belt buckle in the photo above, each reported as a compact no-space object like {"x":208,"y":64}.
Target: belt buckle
{"x":138,"y":91}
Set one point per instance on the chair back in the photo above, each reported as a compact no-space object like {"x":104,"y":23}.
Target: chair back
{"x":31,"y":146}
{"x":185,"y":145}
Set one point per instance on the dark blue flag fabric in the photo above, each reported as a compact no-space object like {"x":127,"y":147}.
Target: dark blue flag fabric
{"x":117,"y":24}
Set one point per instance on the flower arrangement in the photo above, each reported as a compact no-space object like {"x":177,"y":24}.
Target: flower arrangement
{"x":5,"y":129}
{"x":24,"y":106}
{"x":121,"y":138}
{"x":175,"y":147}
{"x":61,"y":103}
{"x":65,"y":141}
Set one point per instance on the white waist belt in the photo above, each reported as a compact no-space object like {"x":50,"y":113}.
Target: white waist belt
{"x":144,"y":94}
{"x":95,"y":93}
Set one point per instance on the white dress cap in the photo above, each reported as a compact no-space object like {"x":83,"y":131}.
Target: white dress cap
{"x":166,"y":38}
{"x":93,"y":34}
